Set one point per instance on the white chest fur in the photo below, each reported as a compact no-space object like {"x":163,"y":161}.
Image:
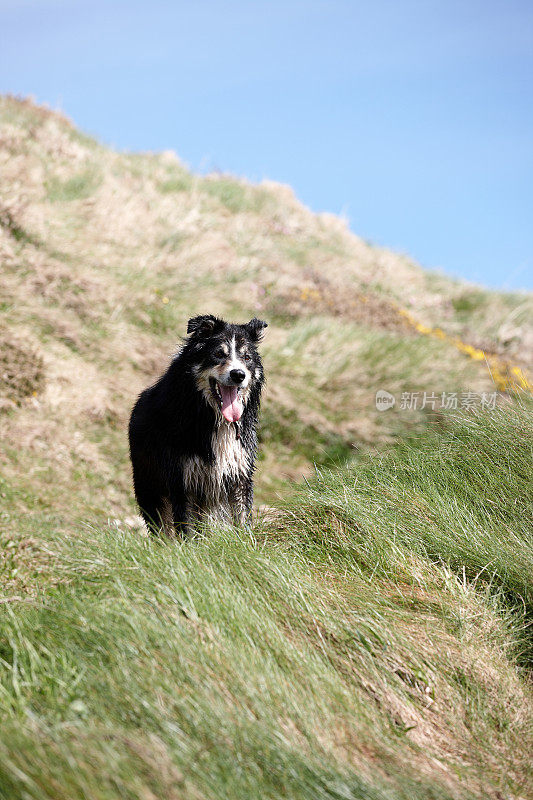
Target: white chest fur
{"x":230,"y":461}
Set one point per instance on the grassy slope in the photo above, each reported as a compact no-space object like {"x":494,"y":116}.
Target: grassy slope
{"x":368,"y":640}
{"x":105,"y":256}
{"x":334,"y":654}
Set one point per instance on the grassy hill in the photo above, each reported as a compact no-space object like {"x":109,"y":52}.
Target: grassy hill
{"x":370,"y":638}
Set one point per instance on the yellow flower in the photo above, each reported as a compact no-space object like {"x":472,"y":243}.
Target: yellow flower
{"x":500,"y":370}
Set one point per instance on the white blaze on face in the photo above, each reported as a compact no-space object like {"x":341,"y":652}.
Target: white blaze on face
{"x":231,"y":397}
{"x":232,"y":405}
{"x":234,"y":361}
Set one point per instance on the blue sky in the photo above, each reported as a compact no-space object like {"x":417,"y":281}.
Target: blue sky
{"x":413,"y":119}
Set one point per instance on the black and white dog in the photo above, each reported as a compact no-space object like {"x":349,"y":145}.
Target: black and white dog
{"x":193,"y":433}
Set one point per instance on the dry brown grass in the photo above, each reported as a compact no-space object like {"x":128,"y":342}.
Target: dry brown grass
{"x":105,"y":256}
{"x":21,"y":371}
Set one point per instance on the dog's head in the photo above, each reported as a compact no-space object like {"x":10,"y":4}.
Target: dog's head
{"x":226,"y":362}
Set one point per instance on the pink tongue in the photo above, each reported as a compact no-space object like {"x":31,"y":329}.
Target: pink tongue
{"x":231,"y":403}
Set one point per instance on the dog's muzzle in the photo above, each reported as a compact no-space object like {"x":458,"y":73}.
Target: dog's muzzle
{"x":229,"y":398}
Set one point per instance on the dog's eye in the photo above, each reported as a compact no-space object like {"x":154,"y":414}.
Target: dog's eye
{"x":247,"y":357}
{"x":219,"y":352}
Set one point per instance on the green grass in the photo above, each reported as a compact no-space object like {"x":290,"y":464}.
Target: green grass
{"x":182,"y":183}
{"x":235,"y":196}
{"x":413,"y":363}
{"x":174,"y":242}
{"x":365,"y":644}
{"x":282,"y":427}
{"x":12,"y":227}
{"x":462,"y":495}
{"x":79,"y":187}
{"x":469,"y":301}
{"x":156,"y":316}
{"x":301,"y":251}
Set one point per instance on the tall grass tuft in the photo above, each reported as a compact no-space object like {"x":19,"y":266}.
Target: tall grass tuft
{"x":462,"y":495}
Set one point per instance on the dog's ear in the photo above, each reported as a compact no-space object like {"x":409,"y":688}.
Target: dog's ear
{"x":255,"y":329}
{"x":203,"y":325}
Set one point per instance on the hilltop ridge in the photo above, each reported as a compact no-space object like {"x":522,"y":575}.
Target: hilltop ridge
{"x":106,"y":255}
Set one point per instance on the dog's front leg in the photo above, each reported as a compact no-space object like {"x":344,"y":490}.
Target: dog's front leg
{"x":248,"y":500}
{"x":178,"y":501}
{"x":242,"y":502}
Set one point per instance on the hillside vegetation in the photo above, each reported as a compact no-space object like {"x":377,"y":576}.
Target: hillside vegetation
{"x":370,"y":638}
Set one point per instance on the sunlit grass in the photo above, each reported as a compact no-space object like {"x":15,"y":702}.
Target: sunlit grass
{"x":332,"y":653}
{"x":78,"y":187}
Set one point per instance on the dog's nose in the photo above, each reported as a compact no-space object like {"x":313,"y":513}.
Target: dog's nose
{"x":237,"y":375}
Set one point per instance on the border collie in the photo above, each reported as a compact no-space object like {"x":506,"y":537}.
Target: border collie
{"x":193,"y":433}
